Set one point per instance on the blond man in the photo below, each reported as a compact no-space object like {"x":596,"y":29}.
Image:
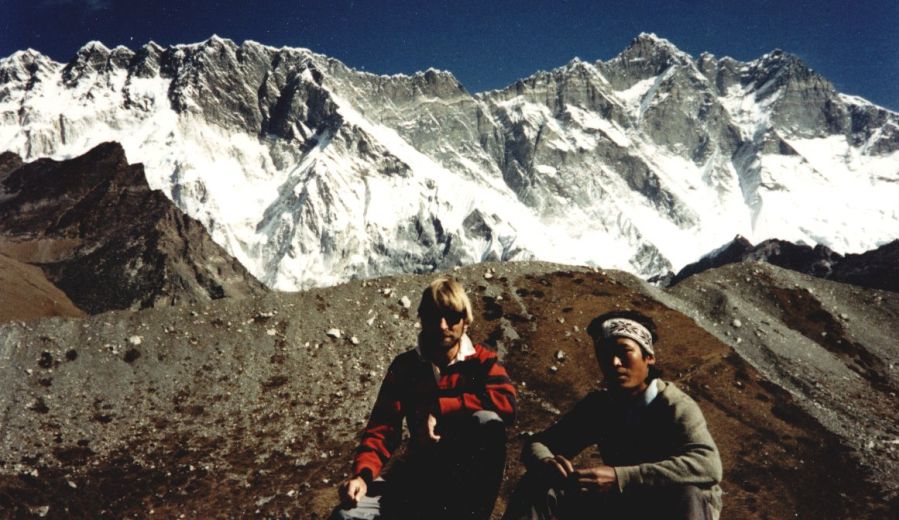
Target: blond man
{"x":456,"y":398}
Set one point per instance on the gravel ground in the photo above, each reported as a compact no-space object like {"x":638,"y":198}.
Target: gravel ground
{"x":251,"y":407}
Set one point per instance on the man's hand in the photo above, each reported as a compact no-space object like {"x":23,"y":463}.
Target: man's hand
{"x":352,"y":490}
{"x":431,"y":428}
{"x":598,"y":479}
{"x":425,"y":433}
{"x":556,"y":469}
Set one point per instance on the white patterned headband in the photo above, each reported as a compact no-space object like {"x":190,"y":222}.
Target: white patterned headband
{"x":622,"y":327}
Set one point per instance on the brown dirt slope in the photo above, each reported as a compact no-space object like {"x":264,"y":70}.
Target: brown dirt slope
{"x":28,"y":295}
{"x":249,"y":408}
{"x":106,"y":239}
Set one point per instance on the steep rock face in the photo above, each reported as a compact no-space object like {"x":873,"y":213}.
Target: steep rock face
{"x":310,"y":173}
{"x":108,"y":241}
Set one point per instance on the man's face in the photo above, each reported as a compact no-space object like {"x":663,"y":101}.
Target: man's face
{"x":623,"y":364}
{"x":443,"y":328}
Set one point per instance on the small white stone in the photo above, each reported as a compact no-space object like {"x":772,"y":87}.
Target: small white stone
{"x":553,"y":369}
{"x":405,"y":302}
{"x":354,"y":340}
{"x":560,"y":355}
{"x":736,"y":323}
{"x":271,"y":332}
{"x":334,"y":333}
{"x":488,"y":275}
{"x":136,"y":340}
{"x":561,"y":320}
{"x":370,"y":321}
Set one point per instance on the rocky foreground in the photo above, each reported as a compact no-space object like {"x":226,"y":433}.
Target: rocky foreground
{"x":250,"y":407}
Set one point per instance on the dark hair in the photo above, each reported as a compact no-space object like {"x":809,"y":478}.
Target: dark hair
{"x":595,"y":332}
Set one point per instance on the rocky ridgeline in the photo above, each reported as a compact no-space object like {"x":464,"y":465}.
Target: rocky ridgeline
{"x":359,"y":175}
{"x":251,"y":406}
{"x":100,"y":235}
{"x":875,"y":269}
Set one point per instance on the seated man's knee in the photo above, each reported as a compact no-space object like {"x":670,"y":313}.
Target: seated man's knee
{"x":489,"y":425}
{"x":487,"y":417}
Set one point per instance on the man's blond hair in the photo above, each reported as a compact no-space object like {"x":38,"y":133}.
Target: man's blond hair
{"x":445,"y":294}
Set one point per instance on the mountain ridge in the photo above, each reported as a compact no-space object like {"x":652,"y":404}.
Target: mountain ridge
{"x":637,"y":163}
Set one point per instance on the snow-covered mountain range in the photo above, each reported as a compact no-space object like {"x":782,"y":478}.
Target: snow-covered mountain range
{"x":311,"y":173}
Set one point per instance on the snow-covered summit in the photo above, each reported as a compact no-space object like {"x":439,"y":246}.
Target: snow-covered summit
{"x":311,"y":172}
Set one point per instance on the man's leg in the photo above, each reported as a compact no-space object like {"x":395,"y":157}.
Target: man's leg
{"x":534,"y":500}
{"x":531,"y":500}
{"x":473,"y":461}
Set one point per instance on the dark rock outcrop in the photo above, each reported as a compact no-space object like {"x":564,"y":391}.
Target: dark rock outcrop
{"x":106,"y":239}
{"x":876,"y":269}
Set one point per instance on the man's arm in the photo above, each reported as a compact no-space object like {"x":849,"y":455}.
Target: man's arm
{"x":383,"y":433}
{"x":696,"y":462}
{"x":569,"y":436}
{"x":495,"y":392}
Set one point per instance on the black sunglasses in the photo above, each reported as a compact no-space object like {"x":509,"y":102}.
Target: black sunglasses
{"x":452,"y":317}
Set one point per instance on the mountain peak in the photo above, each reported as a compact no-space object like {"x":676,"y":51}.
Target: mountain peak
{"x":92,"y":47}
{"x":652,"y":54}
{"x":650,"y":41}
{"x":653,"y":38}
{"x":28,"y":54}
{"x":216,"y":40}
{"x":152,"y":45}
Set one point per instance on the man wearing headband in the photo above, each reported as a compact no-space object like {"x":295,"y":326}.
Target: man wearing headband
{"x":456,"y":399}
{"x":659,"y":460}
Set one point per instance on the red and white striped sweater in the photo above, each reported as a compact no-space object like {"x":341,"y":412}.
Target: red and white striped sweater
{"x":412,"y":389}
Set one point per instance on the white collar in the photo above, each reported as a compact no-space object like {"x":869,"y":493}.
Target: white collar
{"x":466,"y":348}
{"x":651,"y":392}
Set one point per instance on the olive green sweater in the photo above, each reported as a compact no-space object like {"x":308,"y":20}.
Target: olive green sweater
{"x":665,"y":442}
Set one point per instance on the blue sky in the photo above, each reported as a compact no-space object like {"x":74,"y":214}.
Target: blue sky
{"x":488,"y":43}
